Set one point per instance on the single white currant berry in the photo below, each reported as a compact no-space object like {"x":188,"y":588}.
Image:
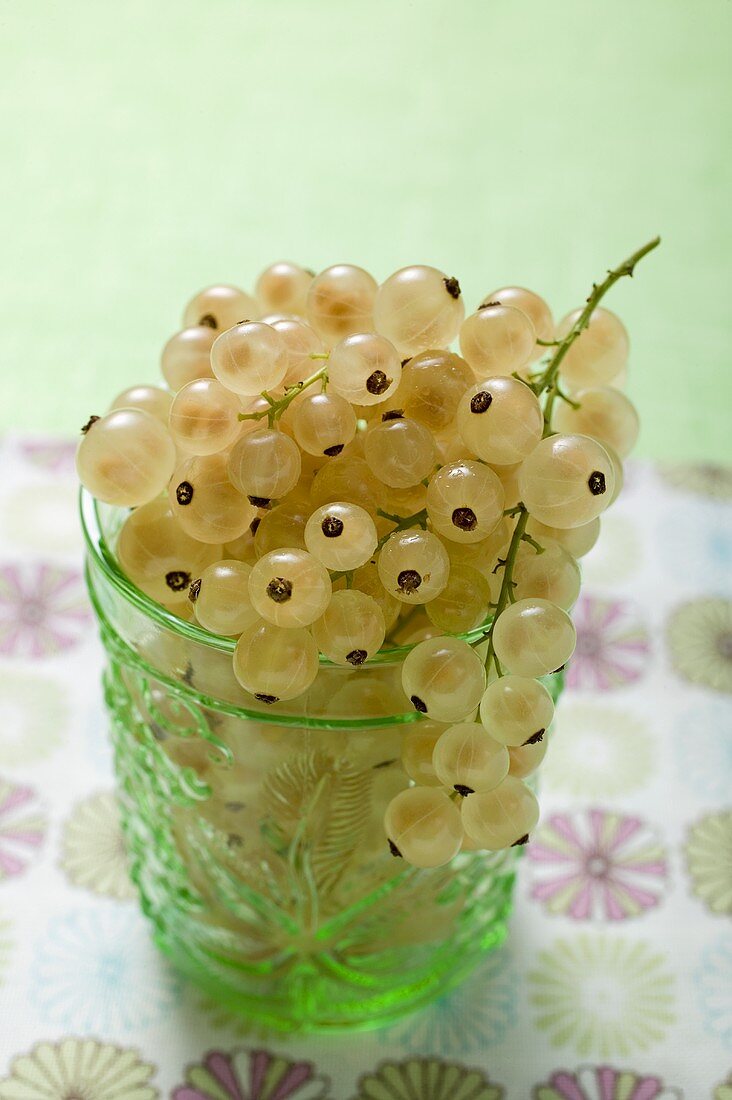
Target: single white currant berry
{"x":552,"y":575}
{"x":605,"y":414}
{"x":187,"y":356}
{"x":503,"y":817}
{"x":498,"y":340}
{"x":431,"y":387}
{"x":289,"y":587}
{"x":535,"y":308}
{"x":577,"y":541}
{"x":204,"y":417}
{"x":464,"y":602}
{"x":500,"y":420}
{"x":413,"y":566}
{"x":400,"y":452}
{"x":205,"y":503}
{"x":283,"y":287}
{"x":125,"y":458}
{"x":158,"y":556}
{"x":533,"y":637}
{"x":351,"y":629}
{"x":423,"y":826}
{"x":264,"y":465}
{"x":340,"y":301}
{"x":341,"y":535}
{"x":469,"y":759}
{"x":525,"y":759}
{"x":365,"y":368}
{"x":323,"y":423}
{"x":220,"y":597}
{"x":516,"y":710}
{"x":302,"y":343}
{"x":567,"y":480}
{"x":419,"y":307}
{"x":600,"y":352}
{"x":275,"y":664}
{"x":249,"y":358}
{"x":219,"y":308}
{"x":465,"y":501}
{"x":418,"y":745}
{"x":444,"y":678}
{"x":150,"y":399}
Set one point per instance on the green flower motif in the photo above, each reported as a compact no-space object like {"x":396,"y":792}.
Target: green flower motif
{"x":699,"y":636}
{"x":76,"y":1068}
{"x":724,"y":1091}
{"x":602,"y":995}
{"x":426,"y":1079}
{"x":705,"y":480}
{"x":597,"y":751}
{"x":34,"y":716}
{"x":708,"y":852}
{"x":93,"y":851}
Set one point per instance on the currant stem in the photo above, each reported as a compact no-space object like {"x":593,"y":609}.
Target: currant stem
{"x":416,"y":519}
{"x":276,"y":408}
{"x":505,"y":594}
{"x":548,"y":378}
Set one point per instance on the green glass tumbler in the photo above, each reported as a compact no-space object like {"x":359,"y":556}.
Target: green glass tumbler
{"x":255,"y":833}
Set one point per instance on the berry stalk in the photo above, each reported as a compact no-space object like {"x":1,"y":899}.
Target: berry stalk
{"x":547,"y":380}
{"x":277,"y":407}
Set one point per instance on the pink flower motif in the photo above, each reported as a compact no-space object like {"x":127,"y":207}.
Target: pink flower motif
{"x":597,"y":865}
{"x":43,"y":609}
{"x":604,"y":1083}
{"x":251,"y":1075}
{"x":613,"y":646}
{"x":56,"y":455}
{"x":22,"y":828}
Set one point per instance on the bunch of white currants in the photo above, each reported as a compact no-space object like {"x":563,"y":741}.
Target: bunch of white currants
{"x":323,"y":475}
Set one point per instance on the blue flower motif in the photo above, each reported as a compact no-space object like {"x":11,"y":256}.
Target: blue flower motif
{"x":97,"y":970}
{"x":704,"y":748}
{"x":701,"y":546}
{"x":713,"y":982}
{"x":465,"y":1021}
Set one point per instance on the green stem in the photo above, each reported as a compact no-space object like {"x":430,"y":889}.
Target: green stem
{"x":276,"y":408}
{"x":504,"y":596}
{"x":416,"y":519}
{"x":547,"y":380}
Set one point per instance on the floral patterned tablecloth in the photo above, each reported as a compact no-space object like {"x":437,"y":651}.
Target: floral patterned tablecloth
{"x":616,"y":982}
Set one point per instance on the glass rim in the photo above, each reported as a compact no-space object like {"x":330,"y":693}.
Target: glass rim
{"x":106,"y":561}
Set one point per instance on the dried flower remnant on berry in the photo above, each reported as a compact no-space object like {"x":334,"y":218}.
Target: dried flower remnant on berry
{"x":452,"y":286}
{"x":208,"y":321}
{"x":268,"y":699}
{"x":393,"y":414}
{"x":177,"y":580}
{"x":356,"y":656}
{"x":480,"y":402}
{"x":465,"y":519}
{"x":378,"y":382}
{"x":535,"y":738}
{"x":521,"y":841}
{"x":418,"y":704}
{"x":184,"y":493}
{"x":394,"y":850}
{"x":279,"y":589}
{"x":195,"y":590}
{"x":596,"y":483}
{"x":332,"y":527}
{"x":87,"y":426}
{"x":462,"y":790}
{"x":409,"y":580}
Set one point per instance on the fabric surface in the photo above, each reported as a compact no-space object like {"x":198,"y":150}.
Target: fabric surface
{"x":152,"y":148}
{"x":616,"y":980}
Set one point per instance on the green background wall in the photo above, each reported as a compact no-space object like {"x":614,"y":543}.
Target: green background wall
{"x":151,"y":148}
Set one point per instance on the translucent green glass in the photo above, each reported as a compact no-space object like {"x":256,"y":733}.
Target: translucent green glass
{"x":256,"y":838}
